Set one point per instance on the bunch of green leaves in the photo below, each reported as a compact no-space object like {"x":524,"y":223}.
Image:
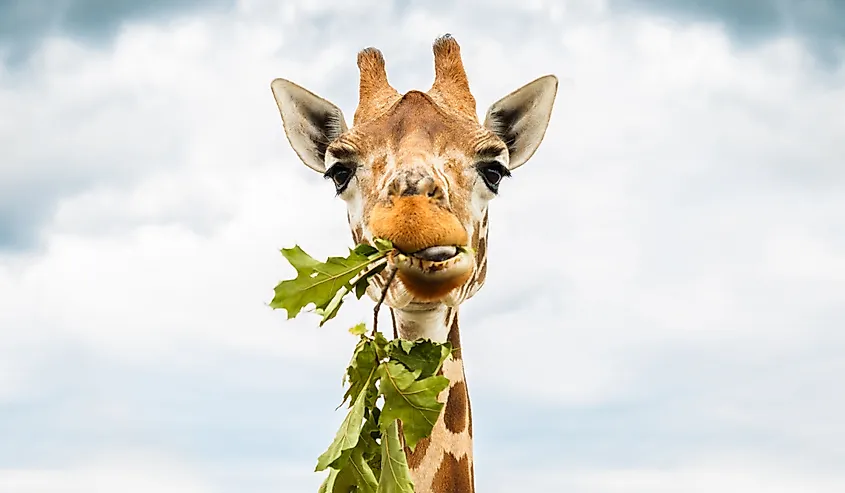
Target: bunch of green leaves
{"x":387,"y":382}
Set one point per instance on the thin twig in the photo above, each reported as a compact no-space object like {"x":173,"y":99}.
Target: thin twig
{"x":393,"y":272}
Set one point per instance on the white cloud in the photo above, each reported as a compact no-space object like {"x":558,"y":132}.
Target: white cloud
{"x":739,"y":475}
{"x":125,"y":472}
{"x":679,"y":217}
{"x":659,"y":210}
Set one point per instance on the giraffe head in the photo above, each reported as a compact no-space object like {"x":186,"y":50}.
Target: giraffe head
{"x":419,"y":169}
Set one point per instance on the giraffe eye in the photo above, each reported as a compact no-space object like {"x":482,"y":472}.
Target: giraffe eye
{"x":492,"y":173}
{"x":341,"y":174}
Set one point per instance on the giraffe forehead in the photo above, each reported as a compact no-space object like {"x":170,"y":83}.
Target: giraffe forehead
{"x":416,"y":132}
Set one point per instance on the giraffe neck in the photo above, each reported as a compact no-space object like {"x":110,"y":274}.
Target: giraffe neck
{"x":442,"y":463}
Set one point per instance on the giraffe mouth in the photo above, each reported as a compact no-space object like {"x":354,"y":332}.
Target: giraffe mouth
{"x":431,"y":273}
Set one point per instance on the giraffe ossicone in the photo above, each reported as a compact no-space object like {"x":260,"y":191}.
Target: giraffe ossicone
{"x":419,"y":169}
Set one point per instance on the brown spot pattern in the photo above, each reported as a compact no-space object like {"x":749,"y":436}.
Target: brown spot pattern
{"x":454,"y":339}
{"x":409,"y":326}
{"x":357,"y":234}
{"x":416,"y":457}
{"x":455,"y":414}
{"x":453,"y":476}
{"x":482,"y":273}
{"x":481,"y":249}
{"x":481,"y":260}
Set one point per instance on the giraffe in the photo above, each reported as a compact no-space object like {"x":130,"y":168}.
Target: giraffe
{"x":420,"y":169}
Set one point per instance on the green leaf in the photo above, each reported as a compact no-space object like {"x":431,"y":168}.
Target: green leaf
{"x":395,"y":475}
{"x":346,"y":438}
{"x":361,"y":288}
{"x":330,"y":311}
{"x":383,"y":245}
{"x":370,"y":432}
{"x":363,"y":283}
{"x":380,"y":343}
{"x":357,"y":474}
{"x":329,"y":482}
{"x":424,"y":356}
{"x":317,"y":282}
{"x":365,"y":250}
{"x":411,"y":400}
{"x":365,"y":479}
{"x":340,"y":481}
{"x":361,"y":369}
{"x":369,"y":442}
{"x":358,"y":329}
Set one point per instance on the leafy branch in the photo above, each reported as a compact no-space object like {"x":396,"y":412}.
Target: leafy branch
{"x":325,"y":284}
{"x":367,"y":453}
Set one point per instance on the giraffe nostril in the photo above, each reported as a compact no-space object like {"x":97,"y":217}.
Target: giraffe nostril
{"x":409,"y":185}
{"x":430,"y":187}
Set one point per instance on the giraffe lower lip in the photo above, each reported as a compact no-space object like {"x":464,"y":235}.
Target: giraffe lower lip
{"x":429,"y":280}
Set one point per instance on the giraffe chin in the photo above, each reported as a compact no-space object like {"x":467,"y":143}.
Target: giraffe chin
{"x":434,"y":281}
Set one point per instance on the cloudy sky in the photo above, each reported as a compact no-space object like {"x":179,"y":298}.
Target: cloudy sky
{"x":665,"y":303}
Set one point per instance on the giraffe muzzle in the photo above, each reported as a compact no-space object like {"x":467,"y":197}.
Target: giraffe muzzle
{"x":414,"y":223}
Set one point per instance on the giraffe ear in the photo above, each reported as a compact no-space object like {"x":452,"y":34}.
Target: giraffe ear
{"x":520,"y":119}
{"x":311,"y":123}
